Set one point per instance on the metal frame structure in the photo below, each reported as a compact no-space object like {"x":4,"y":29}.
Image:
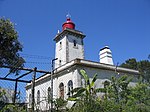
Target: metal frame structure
{"x":18,"y":79}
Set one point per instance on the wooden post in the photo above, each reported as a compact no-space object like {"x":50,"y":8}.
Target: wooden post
{"x":33,"y":88}
{"x":15,"y":92}
{"x":52,"y":73}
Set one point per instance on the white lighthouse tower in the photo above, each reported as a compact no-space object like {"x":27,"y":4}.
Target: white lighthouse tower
{"x":69,"y":44}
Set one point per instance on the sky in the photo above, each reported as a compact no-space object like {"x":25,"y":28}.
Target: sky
{"x":123,"y":25}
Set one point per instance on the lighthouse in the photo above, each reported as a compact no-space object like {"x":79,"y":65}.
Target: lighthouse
{"x":69,"y":43}
{"x":68,"y":23}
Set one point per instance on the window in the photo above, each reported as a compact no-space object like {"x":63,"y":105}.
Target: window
{"x":106,"y":83}
{"x":74,"y":43}
{"x":38,"y":97}
{"x":59,"y":62}
{"x":49,"y":95}
{"x":70,"y":88}
{"x":82,"y":42}
{"x":61,"y":90}
{"x":30,"y":99}
{"x":60,"y":45}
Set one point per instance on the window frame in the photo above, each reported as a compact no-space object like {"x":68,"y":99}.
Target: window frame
{"x":30,"y":100}
{"x":70,"y":88}
{"x":60,"y":45}
{"x":61,"y":90}
{"x":75,"y":45}
{"x":49,"y":95}
{"x":38,"y":97}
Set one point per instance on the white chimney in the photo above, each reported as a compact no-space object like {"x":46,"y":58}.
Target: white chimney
{"x":105,"y":56}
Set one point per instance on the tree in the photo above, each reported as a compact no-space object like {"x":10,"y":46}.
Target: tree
{"x":2,"y":93}
{"x":122,"y":97}
{"x":9,"y":45}
{"x":142,"y":66}
{"x":130,"y":63}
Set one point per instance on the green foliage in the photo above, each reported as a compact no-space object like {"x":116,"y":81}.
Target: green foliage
{"x":9,"y":45}
{"x":118,"y":96}
{"x":85,"y":96}
{"x":119,"y":90}
{"x":87,"y":91}
{"x":130,"y":63}
{"x":141,"y":94}
{"x":59,"y":104}
{"x":143,"y":66}
{"x":6,"y":107}
{"x":2,"y":92}
{"x":13,"y":108}
{"x":125,"y":98}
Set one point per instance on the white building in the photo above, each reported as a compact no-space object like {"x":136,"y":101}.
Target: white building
{"x":70,"y":60}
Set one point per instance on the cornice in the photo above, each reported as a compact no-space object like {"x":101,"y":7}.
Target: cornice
{"x":70,"y":32}
{"x":85,"y":63}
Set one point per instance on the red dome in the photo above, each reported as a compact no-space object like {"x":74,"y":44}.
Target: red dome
{"x":68,"y":24}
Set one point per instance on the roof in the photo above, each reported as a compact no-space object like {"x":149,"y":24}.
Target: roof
{"x":69,"y":31}
{"x":90,"y":64}
{"x":106,"y":47}
{"x":98,"y":65}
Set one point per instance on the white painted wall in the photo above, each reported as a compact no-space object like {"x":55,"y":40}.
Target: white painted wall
{"x":43,"y":88}
{"x":28,"y":92}
{"x":60,"y":51}
{"x":66,"y":51}
{"x":75,"y":52}
{"x":64,"y":78}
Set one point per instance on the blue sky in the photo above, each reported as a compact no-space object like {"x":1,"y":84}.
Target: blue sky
{"x":124,"y":25}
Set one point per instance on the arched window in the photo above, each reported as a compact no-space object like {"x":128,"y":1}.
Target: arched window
{"x":38,"y":97}
{"x":61,"y":90}
{"x":30,"y":99}
{"x":49,"y":95}
{"x":70,"y":88}
{"x":106,"y":83}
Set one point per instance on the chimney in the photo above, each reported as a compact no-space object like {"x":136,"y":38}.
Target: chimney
{"x":105,"y":56}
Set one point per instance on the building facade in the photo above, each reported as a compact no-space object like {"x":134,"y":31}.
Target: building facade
{"x":69,"y":55}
